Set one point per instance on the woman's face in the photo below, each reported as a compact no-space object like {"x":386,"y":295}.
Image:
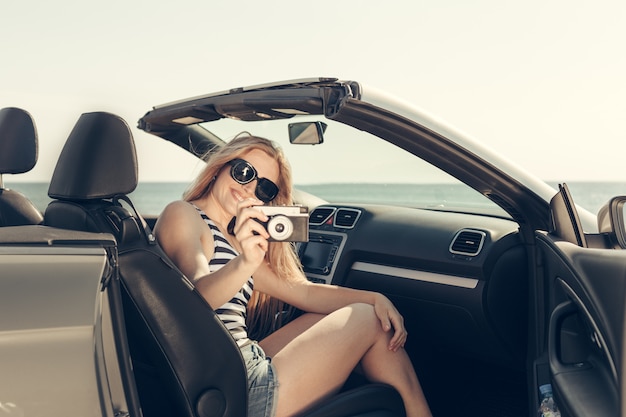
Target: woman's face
{"x":229,"y":192}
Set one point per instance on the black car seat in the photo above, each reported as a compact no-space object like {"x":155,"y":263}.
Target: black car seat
{"x":184,"y":361}
{"x":18,"y":154}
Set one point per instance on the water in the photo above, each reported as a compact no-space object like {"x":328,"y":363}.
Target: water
{"x":150,"y":198}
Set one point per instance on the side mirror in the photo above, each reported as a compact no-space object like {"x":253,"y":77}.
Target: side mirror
{"x":611,"y":221}
{"x":565,"y":220}
{"x":307,"y":133}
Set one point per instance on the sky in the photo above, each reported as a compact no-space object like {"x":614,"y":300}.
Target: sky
{"x":542,"y":82}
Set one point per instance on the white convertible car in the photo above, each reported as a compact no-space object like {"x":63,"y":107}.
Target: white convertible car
{"x":505,"y":285}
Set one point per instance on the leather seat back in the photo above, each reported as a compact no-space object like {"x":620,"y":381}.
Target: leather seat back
{"x":185,"y":362}
{"x":18,"y":154}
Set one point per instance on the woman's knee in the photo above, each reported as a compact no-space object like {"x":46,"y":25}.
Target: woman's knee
{"x":366,"y":315}
{"x":362,"y":308}
{"x":369,"y":319}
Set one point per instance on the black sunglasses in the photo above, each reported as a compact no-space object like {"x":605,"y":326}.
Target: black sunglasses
{"x":243,"y":172}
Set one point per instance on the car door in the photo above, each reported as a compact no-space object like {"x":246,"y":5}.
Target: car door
{"x":59,"y":337}
{"x":581,"y":325}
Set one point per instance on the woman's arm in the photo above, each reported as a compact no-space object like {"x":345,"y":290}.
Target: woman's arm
{"x":324,"y":299}
{"x":188,"y":242}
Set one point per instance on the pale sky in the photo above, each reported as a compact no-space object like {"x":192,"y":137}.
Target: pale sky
{"x":542,"y":82}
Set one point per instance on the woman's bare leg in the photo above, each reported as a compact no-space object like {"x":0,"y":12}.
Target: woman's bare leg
{"x":315,"y":354}
{"x":395,"y":368}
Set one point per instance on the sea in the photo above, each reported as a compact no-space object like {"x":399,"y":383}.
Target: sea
{"x":150,"y":198}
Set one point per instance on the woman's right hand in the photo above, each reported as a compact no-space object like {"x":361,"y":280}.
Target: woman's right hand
{"x":249,"y":233}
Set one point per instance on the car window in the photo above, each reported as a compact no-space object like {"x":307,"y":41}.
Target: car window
{"x":352,"y":166}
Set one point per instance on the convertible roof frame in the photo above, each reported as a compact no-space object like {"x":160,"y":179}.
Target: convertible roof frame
{"x":179,"y":122}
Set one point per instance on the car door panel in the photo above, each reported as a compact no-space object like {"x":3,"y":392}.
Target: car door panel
{"x":585,"y":291}
{"x":53,"y":334}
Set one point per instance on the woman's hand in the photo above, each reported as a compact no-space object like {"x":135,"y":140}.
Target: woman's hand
{"x":390,"y":318}
{"x":250,"y":234}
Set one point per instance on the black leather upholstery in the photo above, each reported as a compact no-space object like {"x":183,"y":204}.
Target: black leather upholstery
{"x":18,"y":154}
{"x":375,"y":400}
{"x":98,"y":160}
{"x":17,"y":210}
{"x":185,"y":363}
{"x":18,"y":138}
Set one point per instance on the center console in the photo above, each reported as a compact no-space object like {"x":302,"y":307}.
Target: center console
{"x":319,"y":254}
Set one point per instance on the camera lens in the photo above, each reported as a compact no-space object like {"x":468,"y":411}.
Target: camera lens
{"x":280,"y":227}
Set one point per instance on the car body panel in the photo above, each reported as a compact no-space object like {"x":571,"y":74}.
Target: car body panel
{"x":50,"y":321}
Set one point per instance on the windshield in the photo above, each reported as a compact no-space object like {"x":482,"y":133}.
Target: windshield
{"x":353,"y":166}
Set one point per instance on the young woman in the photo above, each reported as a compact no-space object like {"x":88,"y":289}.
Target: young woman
{"x":239,"y":273}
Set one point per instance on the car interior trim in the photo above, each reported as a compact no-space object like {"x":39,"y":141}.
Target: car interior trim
{"x":320,"y":215}
{"x":346,"y":218}
{"x":393,"y":271}
{"x":597,"y":334}
{"x":467,"y":242}
{"x":325,"y":265}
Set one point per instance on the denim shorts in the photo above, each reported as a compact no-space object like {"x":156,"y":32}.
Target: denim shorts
{"x":262,"y":382}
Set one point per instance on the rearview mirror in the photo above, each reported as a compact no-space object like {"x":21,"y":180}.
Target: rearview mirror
{"x":611,"y":221}
{"x":307,"y":133}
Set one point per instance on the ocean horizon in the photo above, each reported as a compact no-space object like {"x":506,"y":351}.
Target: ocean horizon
{"x":151,"y":197}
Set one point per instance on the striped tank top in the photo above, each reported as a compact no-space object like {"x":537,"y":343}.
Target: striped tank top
{"x":233,"y":314}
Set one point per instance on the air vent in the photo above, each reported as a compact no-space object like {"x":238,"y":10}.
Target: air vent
{"x":346,"y":218}
{"x":468,"y":242}
{"x":320,"y":215}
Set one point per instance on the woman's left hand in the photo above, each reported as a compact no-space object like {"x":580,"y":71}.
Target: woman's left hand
{"x":390,"y":318}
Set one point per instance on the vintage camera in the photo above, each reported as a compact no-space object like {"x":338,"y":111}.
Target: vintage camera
{"x":286,"y":223}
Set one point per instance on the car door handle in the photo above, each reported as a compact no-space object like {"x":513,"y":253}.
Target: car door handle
{"x":559,"y":314}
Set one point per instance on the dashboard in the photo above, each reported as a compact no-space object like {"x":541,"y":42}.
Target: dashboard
{"x":460,"y":280}
{"x":410,"y":240}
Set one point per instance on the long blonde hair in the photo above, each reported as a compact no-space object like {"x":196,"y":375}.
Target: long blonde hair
{"x":263,"y":311}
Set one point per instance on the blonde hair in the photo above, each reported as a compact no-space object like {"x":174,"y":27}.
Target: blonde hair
{"x":263,"y":310}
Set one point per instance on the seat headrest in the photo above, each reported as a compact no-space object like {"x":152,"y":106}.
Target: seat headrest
{"x":18,"y":141}
{"x":98,"y":160}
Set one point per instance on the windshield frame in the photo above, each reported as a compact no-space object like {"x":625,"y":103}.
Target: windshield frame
{"x":521,"y":194}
